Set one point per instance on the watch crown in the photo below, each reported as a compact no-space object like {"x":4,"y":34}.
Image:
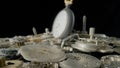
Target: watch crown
{"x":68,"y":2}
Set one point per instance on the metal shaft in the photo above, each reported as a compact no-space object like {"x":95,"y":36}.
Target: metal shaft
{"x":84,"y":25}
{"x":34,"y":31}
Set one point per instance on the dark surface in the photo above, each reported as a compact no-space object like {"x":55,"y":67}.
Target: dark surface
{"x":18,"y":17}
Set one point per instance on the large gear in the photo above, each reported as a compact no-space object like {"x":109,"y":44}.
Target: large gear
{"x":79,"y":60}
{"x":42,"y":53}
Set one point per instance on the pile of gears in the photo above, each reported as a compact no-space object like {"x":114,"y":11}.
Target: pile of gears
{"x":61,"y":48}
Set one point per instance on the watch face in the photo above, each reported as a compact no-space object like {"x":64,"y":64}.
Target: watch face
{"x":63,"y":23}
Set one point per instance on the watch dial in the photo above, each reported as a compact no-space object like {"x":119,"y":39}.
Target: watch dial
{"x":63,"y":23}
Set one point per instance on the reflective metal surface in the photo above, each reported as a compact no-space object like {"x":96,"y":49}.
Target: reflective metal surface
{"x":85,"y":46}
{"x":105,"y":49}
{"x":79,"y":60}
{"x":63,"y":23}
{"x":42,"y":53}
{"x":110,"y":61}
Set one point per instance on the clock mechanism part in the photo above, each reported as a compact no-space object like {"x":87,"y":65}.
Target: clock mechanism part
{"x":39,"y":65}
{"x":79,"y":60}
{"x":10,"y":63}
{"x":61,"y":47}
{"x":63,"y":22}
{"x":9,"y":53}
{"x":110,"y":61}
{"x":105,"y":49}
{"x":85,"y":46}
{"x":42,"y":53}
{"x":84,"y":25}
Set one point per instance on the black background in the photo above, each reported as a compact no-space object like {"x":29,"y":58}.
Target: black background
{"x":18,"y":17}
